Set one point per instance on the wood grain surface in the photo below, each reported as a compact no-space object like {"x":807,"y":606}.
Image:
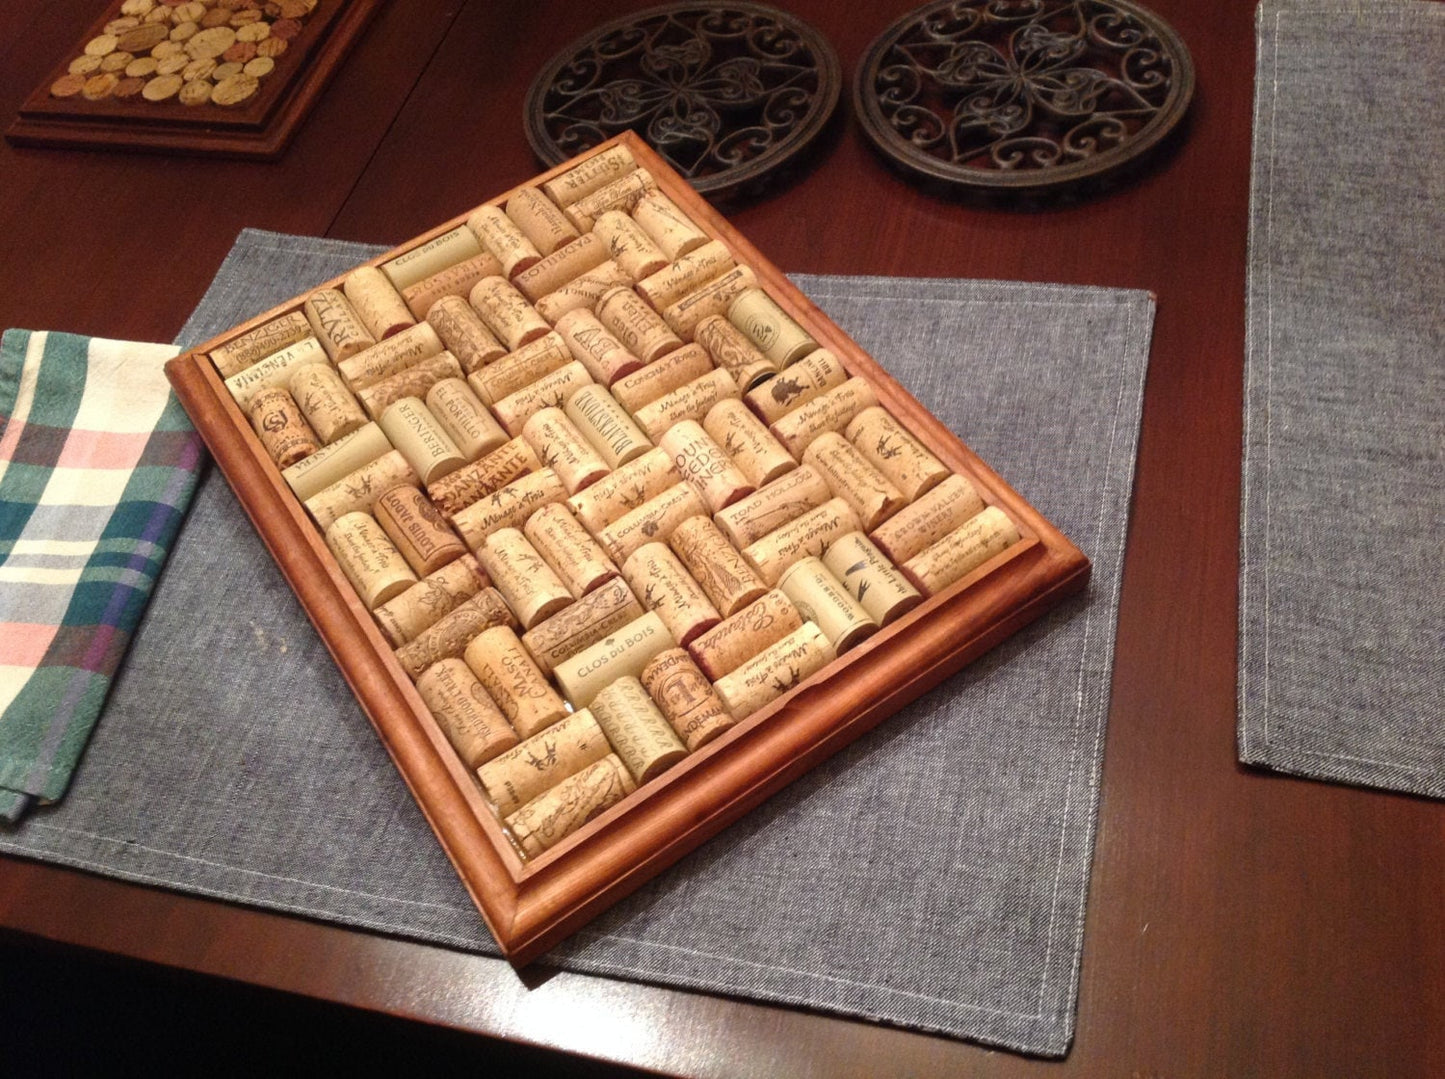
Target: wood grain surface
{"x":1238,"y":923}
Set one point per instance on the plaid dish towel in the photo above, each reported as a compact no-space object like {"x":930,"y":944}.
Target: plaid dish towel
{"x":97,"y":465}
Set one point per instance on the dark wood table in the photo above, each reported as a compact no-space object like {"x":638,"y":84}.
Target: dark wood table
{"x":1238,"y":923}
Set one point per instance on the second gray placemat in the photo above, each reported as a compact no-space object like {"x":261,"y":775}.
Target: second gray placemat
{"x":933,"y":875}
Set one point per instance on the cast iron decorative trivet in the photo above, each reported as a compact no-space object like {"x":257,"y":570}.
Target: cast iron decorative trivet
{"x":1022,"y":95}
{"x":726,"y":93}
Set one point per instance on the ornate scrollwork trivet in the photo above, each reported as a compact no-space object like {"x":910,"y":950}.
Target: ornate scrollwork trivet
{"x":1022,"y":95}
{"x":725,"y":92}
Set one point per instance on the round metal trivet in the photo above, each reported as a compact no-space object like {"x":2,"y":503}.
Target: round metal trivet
{"x":1022,"y":95}
{"x":727,"y":93}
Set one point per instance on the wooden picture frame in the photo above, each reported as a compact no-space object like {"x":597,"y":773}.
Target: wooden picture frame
{"x":530,"y":904}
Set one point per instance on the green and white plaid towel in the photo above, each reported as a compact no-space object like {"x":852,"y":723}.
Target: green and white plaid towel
{"x":97,"y":465}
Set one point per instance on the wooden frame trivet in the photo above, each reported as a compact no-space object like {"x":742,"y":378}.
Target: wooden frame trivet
{"x":531,"y":904}
{"x":259,"y":127}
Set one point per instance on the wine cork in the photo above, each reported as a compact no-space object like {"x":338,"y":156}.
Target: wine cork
{"x":852,"y":478}
{"x":928,"y":520}
{"x":770,"y":508}
{"x":336,"y":324}
{"x":582,"y":291}
{"x":503,"y":239}
{"x":414,"y":431}
{"x":640,"y":329}
{"x":508,"y":507}
{"x":510,"y":461}
{"x":539,"y":763}
{"x":870,"y":578}
{"x":685,"y":697}
{"x":360,"y":489}
{"x":507,"y":313}
{"x":448,"y":636}
{"x":515,"y":370}
{"x":470,"y":719}
{"x":464,"y":419}
{"x":540,"y":220}
{"x":812,"y":376}
{"x":377,"y":303}
{"x":386,"y":358}
{"x":731,"y":350}
{"x":324,"y":400}
{"x":453,"y":246}
{"x":624,"y":652}
{"x":625,"y":489}
{"x":336,"y":461}
{"x":621,"y":194}
{"x":669,"y":228}
{"x":659,"y":580}
{"x":714,"y":298}
{"x":273,"y":371}
{"x":716,"y":565}
{"x":590,"y":175}
{"x":255,"y":345}
{"x":687,"y":274}
{"x":809,"y":534}
{"x":593,"y":346}
{"x":565,"y":264}
{"x":661,"y":377}
{"x":772,"y":329}
{"x":653,"y":520}
{"x":891,"y":449}
{"x":549,"y":391}
{"x":555,"y":814}
{"x":704,"y":464}
{"x":417,"y":529}
{"x":961,"y":551}
{"x":776,"y":670}
{"x":526,"y":582}
{"x":628,"y":245}
{"x":283,"y":431}
{"x":737,"y":639}
{"x":568,"y":549}
{"x":521,"y":691}
{"x":596,"y":615}
{"x":464,"y":333}
{"x":606,"y":425}
{"x":374,"y":567}
{"x":822,"y":600}
{"x":831,"y":411}
{"x":430,"y":599}
{"x":456,"y":281}
{"x":640,"y":734}
{"x":757,"y":454}
{"x":690,"y":401}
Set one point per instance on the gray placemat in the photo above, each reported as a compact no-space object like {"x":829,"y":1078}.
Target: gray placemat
{"x":933,"y":875}
{"x":1342,"y":598}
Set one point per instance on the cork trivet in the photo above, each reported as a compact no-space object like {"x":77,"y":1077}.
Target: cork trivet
{"x":891,"y":449}
{"x":813,"y":375}
{"x":470,"y":719}
{"x":554,"y":815}
{"x":821,"y":599}
{"x":621,"y":194}
{"x":464,"y":333}
{"x":671,"y":230}
{"x":424,"y":260}
{"x":507,"y":313}
{"x":690,"y":401}
{"x":434,"y":596}
{"x":504,"y":240}
{"x":334,"y":462}
{"x":809,"y":534}
{"x":417,"y":529}
{"x":255,"y":345}
{"x":569,"y":549}
{"x":470,"y":483}
{"x":928,"y":520}
{"x":282,"y":429}
{"x":653,"y":520}
{"x":831,"y":411}
{"x":514,"y":682}
{"x":526,"y":582}
{"x":591,"y":175}
{"x":624,"y":490}
{"x":640,"y":329}
{"x":464,"y":419}
{"x":687,"y":274}
{"x":581,"y":255}
{"x":582,"y":291}
{"x":606,"y":425}
{"x":752,"y":448}
{"x":360,"y":489}
{"x":449,"y":635}
{"x":664,"y":586}
{"x":772,"y":329}
{"x":684,"y":695}
{"x":731,"y":350}
{"x":377,"y":303}
{"x":539,"y":763}
{"x":716,"y":565}
{"x":705,"y":465}
{"x":508,"y":507}
{"x":413,"y":430}
{"x":515,"y":370}
{"x":661,"y":377}
{"x":599,"y":613}
{"x":640,"y":734}
{"x":770,"y":508}
{"x":628,"y":245}
{"x":961,"y":551}
{"x":457,"y":281}
{"x":275,"y":370}
{"x":854,"y":479}
{"x":775,"y":671}
{"x":540,"y":220}
{"x":714,"y":298}
{"x":549,"y":391}
{"x":371,"y":563}
{"x":606,"y":358}
{"x":870,"y":578}
{"x":397,"y":353}
{"x":624,"y":652}
{"x":735,"y":640}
